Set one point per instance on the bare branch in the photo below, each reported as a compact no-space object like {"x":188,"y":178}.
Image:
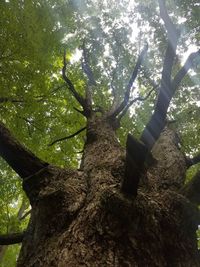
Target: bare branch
{"x":10,"y":239}
{"x":70,"y":85}
{"x":184,"y":70}
{"x":21,"y":160}
{"x":67,"y":137}
{"x":130,"y":83}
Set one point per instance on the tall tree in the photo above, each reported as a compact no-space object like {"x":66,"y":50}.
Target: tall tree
{"x":124,"y":205}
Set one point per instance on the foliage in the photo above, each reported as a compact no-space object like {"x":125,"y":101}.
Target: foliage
{"x":10,"y":256}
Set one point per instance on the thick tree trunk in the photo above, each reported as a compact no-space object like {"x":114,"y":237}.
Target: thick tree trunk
{"x":81,"y":218}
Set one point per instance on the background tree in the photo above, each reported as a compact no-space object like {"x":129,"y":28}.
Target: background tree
{"x":103,"y":212}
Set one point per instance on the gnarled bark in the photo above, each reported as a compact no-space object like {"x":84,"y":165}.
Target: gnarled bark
{"x":93,"y":216}
{"x":81,"y":218}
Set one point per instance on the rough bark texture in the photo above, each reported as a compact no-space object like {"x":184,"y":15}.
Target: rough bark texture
{"x":81,"y":218}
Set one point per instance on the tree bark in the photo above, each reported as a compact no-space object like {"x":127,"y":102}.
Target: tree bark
{"x":81,"y":217}
{"x":17,"y":156}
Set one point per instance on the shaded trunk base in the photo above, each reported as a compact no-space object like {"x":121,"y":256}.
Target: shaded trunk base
{"x":155,"y":229}
{"x":81,"y":218}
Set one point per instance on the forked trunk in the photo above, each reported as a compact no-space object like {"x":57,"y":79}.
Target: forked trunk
{"x":81,"y":218}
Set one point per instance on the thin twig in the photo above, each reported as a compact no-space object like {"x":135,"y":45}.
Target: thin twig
{"x":67,"y":137}
{"x":139,"y":98}
{"x":79,"y":111}
{"x":25,"y":215}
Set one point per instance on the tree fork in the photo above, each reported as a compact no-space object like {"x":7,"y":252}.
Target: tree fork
{"x":87,"y":109}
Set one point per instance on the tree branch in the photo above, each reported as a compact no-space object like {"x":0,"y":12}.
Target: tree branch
{"x":158,"y":119}
{"x":10,"y":239}
{"x":21,"y":160}
{"x":70,"y":85}
{"x":139,"y":98}
{"x":79,"y":111}
{"x":67,"y":137}
{"x":173,"y":36}
{"x":152,"y":83}
{"x":191,"y":190}
{"x":25,"y":215}
{"x":9,"y":99}
{"x":123,"y":104}
{"x":172,"y":32}
{"x":184,"y":70}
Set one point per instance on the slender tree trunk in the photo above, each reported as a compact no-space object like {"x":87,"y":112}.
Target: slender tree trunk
{"x":81,"y":218}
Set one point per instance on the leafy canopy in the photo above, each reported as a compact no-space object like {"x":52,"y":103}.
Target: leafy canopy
{"x":36,"y":105}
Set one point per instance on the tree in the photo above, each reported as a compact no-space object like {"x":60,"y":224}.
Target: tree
{"x":122,"y":206}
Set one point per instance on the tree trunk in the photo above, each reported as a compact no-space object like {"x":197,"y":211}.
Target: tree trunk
{"x":81,"y":217}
